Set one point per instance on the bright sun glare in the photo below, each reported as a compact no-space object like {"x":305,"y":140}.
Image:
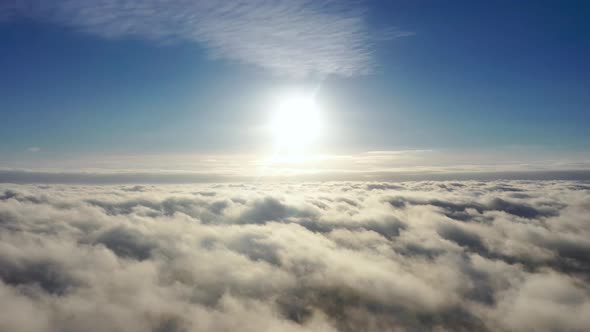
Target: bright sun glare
{"x":296,"y":124}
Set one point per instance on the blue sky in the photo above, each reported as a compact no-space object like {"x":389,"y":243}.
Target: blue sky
{"x":198,"y":77}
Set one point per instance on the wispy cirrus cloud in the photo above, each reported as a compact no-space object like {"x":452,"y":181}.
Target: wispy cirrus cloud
{"x":287,"y":37}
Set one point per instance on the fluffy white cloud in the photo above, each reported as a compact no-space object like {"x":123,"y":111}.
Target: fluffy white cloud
{"x":446,"y":256}
{"x":293,"y":37}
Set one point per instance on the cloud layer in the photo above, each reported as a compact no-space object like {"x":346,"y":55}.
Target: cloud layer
{"x":413,"y":256}
{"x":292,"y":37}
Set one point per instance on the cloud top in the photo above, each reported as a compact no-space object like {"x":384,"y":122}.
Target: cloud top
{"x":287,"y":37}
{"x":333,"y":256}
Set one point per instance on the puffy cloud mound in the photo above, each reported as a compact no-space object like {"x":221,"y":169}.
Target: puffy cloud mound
{"x":411,"y":256}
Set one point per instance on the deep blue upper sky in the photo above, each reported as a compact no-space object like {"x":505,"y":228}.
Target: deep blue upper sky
{"x":470,"y":74}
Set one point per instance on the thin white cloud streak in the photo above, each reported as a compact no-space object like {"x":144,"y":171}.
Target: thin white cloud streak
{"x":287,"y":37}
{"x":414,"y":256}
{"x":374,"y":165}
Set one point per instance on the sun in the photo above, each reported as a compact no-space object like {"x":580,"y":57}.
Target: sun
{"x":296,"y":124}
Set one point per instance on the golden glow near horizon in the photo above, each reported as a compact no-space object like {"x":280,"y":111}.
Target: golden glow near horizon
{"x":295,"y":126}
